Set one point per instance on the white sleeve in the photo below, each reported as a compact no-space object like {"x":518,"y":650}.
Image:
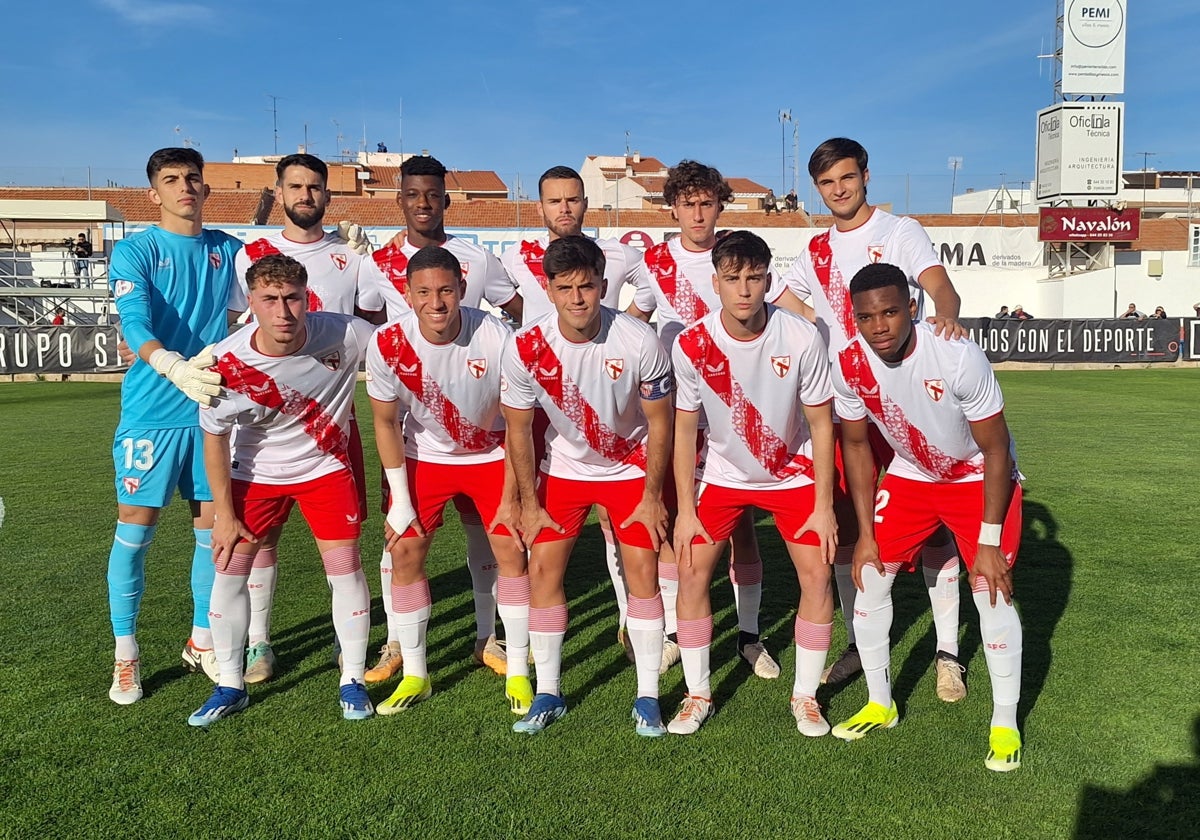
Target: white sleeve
{"x":498,"y":287}
{"x":796,"y":277}
{"x":644,"y":298}
{"x":369,"y":279}
{"x":915,"y":248}
{"x":361,"y":331}
{"x":381,"y":381}
{"x":516,"y":383}
{"x":846,"y":404}
{"x":975,"y":384}
{"x":816,"y":387}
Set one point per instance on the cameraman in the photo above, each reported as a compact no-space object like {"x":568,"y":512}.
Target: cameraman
{"x":82,"y":249}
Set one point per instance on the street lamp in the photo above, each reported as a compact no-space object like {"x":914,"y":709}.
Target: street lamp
{"x":785,"y":117}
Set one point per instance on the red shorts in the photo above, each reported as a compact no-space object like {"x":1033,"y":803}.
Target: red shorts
{"x":907,"y":513}
{"x":719,"y":509}
{"x":329,"y":505}
{"x":431,"y":485}
{"x":358,"y":469}
{"x":881,"y":451}
{"x":568,"y":502}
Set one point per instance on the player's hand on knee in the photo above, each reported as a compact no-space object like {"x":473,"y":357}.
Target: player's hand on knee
{"x":652,"y":514}
{"x":400,"y":517}
{"x":508,"y":515}
{"x":355,"y":237}
{"x":990,"y":563}
{"x":687,"y":528}
{"x":866,"y":553}
{"x":823,"y":523}
{"x":191,"y":376}
{"x":535,"y":519}
{"x":227,"y":533}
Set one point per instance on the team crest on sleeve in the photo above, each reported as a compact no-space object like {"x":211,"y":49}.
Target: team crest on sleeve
{"x":874,"y":253}
{"x":935,"y":388}
{"x":333,"y":361}
{"x":614,"y":368}
{"x":122,"y":287}
{"x":781,"y":365}
{"x":339,"y":260}
{"x":131,"y":484}
{"x":214,"y":257}
{"x":477,"y":367}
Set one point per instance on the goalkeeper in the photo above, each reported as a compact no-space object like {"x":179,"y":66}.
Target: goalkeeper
{"x":175,"y":292}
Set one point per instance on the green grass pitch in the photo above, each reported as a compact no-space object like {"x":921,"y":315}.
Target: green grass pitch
{"x":1105,"y":584}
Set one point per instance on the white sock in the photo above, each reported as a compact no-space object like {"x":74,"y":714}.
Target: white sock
{"x":127,"y":648}
{"x":513,"y":603}
{"x":413,"y":606}
{"x":872,"y":626}
{"x":812,"y":649}
{"x":229,"y":618}
{"x":547,"y":628}
{"x":747,"y":592}
{"x":262,"y":594}
{"x":668,"y":587}
{"x":385,"y":588}
{"x":843,"y":571}
{"x":645,"y":627}
{"x":350,"y":606}
{"x":483,"y":567}
{"x":1000,"y":627}
{"x":939,"y":565}
{"x":612,"y":557}
{"x":695,"y":654}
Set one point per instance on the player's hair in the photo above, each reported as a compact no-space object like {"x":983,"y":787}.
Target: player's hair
{"x":563,"y":173}
{"x":434,"y":256}
{"x":173,"y":156}
{"x":741,"y":248}
{"x":275,"y":270}
{"x":689,"y":177}
{"x":423,"y":165}
{"x":573,"y":253}
{"x":880,"y":276}
{"x":833,"y":150}
{"x":310,"y":162}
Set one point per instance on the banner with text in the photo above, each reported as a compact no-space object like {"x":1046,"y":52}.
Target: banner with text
{"x":1111,"y":340}
{"x":59,"y":350}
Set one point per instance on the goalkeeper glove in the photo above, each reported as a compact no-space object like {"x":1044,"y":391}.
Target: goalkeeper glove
{"x":189,"y":375}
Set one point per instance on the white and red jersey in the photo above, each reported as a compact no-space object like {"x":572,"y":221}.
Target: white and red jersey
{"x":333,"y":268}
{"x":292,"y":413}
{"x":450,"y":392}
{"x":753,"y":393}
{"x":923,"y":405}
{"x":827,"y":266}
{"x":385,"y":276}
{"x":523,"y":262}
{"x":681,"y":287}
{"x":591,"y":391}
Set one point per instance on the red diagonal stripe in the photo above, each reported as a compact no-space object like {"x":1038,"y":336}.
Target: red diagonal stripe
{"x":260,"y":248}
{"x":678,"y":291}
{"x":834,"y":284}
{"x":394,"y":265}
{"x":533,"y":254}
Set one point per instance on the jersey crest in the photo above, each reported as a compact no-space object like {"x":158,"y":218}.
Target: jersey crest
{"x":340,"y":260}
{"x":874,"y":253}
{"x":781,"y":365}
{"x":760,"y":440}
{"x":477,"y":367}
{"x":614,"y":368}
{"x":333,"y":361}
{"x":214,"y":259}
{"x":538,"y":357}
{"x":935,"y":388}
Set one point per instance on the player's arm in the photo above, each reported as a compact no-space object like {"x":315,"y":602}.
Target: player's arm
{"x":946,"y":302}
{"x":227,"y":529}
{"x":508,"y":512}
{"x":822,"y":521}
{"x":518,"y":437}
{"x":859,"y":464}
{"x":992,"y":437}
{"x":389,"y":441}
{"x":791,"y":303}
{"x":515,"y":307}
{"x":650,"y":511}
{"x":687,"y":524}
{"x":375,"y":317}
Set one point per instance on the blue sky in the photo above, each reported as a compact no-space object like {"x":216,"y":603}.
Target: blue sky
{"x":102,"y":83}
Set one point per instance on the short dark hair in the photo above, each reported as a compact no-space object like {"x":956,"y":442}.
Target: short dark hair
{"x":833,"y":150}
{"x":564,"y":173}
{"x":880,"y":276}
{"x":275,"y":270}
{"x":689,"y":177}
{"x":173,"y":156}
{"x":434,"y":256}
{"x":310,"y":162}
{"x":423,"y":165}
{"x":573,"y":253}
{"x":741,"y":248}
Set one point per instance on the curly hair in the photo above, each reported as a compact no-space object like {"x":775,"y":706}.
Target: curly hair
{"x":690,"y":178}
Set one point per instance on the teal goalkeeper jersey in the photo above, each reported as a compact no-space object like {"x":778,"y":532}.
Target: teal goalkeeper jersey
{"x":175,"y":289}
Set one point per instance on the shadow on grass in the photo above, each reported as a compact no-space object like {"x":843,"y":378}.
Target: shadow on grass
{"x":1166,"y":804}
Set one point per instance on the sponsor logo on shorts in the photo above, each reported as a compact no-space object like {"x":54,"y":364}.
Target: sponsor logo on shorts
{"x":781,"y":365}
{"x":477,"y":367}
{"x":339,"y":260}
{"x":122,"y":287}
{"x":614,"y":368}
{"x":874,"y":253}
{"x":935,"y":388}
{"x":214,"y":257}
{"x":351,"y":518}
{"x":131,"y":484}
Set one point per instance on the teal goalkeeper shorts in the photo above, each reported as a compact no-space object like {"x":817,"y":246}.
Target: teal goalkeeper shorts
{"x":152,"y":463}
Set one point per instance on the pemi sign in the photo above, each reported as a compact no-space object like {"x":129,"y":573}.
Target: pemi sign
{"x":1088,"y":224}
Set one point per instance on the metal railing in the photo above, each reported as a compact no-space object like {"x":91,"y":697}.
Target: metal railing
{"x":33,"y":285}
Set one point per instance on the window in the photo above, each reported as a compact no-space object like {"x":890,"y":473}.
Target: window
{"x":1194,"y":245}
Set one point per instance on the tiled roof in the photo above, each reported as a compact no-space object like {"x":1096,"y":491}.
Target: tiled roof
{"x":229,"y":206}
{"x":744,"y":186}
{"x":481,"y":180}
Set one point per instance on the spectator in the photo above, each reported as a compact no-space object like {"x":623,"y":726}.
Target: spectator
{"x":1159,"y":312}
{"x":770,"y":202}
{"x":1132,"y":312}
{"x":1019,"y":314}
{"x":82,"y":249}
{"x":790,"y":202}
{"x":60,"y":317}
{"x":1002,"y":315}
